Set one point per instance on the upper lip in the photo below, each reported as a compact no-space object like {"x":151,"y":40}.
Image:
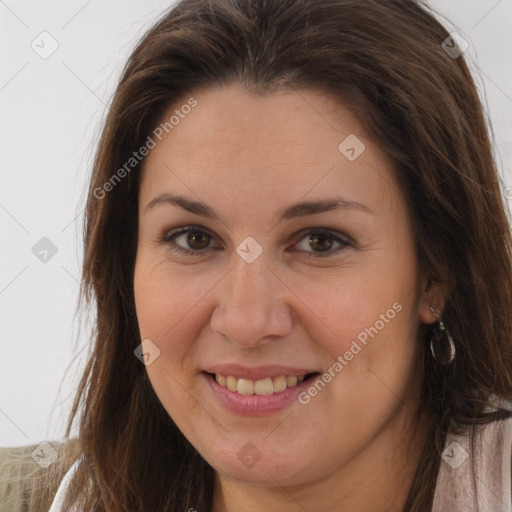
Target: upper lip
{"x":256,"y":372}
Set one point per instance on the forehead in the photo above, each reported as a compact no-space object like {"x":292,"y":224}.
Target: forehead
{"x":264,"y":149}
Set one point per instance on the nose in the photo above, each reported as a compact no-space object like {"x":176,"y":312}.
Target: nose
{"x":252,"y":308}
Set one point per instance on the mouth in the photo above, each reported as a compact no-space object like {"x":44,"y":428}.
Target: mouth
{"x":256,"y":390}
{"x":265,"y":386}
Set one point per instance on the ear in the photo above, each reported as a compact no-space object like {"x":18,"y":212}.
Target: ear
{"x":433,"y":294}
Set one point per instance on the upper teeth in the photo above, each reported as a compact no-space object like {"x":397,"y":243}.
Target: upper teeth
{"x":258,"y":387}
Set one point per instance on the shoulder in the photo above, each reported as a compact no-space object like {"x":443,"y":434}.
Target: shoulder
{"x":476,"y":469}
{"x":57,"y":504}
{"x":30,"y":475}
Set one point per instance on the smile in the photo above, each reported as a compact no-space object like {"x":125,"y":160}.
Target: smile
{"x":262,"y":396}
{"x":266,"y":386}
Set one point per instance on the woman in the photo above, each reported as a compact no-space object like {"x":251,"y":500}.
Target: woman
{"x":301,"y":261}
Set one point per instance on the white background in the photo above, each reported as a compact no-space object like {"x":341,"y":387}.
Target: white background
{"x":50,"y":115}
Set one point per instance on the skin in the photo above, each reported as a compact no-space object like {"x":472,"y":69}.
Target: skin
{"x":355,"y":445}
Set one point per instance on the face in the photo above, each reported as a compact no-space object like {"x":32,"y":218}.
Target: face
{"x":308,"y":314}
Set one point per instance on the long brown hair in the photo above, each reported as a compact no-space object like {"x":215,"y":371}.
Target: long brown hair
{"x":383,"y":59}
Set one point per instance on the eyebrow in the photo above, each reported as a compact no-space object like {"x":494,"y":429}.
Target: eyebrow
{"x":301,"y":209}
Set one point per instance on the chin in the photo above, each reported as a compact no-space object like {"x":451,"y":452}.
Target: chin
{"x":261,"y":462}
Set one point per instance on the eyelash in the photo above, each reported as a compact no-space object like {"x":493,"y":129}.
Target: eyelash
{"x":169,"y":237}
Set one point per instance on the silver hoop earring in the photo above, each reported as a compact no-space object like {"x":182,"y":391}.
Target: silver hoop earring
{"x":441,"y":343}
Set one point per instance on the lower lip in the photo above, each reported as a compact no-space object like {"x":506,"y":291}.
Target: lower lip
{"x":255,"y":405}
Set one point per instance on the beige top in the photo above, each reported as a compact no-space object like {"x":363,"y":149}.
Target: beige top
{"x":475,"y":472}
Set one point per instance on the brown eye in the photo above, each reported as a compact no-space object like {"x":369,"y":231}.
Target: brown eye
{"x":192,"y":241}
{"x":197,"y":240}
{"x":321,"y":243}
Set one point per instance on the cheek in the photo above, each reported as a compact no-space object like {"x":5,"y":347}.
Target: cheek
{"x":373,"y":371}
{"x":363,"y":305}
{"x":165,"y":301}
{"x":170,"y":313}
{"x":372,"y":321}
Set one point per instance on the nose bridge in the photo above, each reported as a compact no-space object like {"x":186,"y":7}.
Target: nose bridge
{"x":251,"y":306}
{"x":250,"y":273}
{"x":251,"y":286}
